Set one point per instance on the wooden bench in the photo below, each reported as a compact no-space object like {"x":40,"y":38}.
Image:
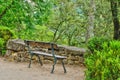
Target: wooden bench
{"x":31,"y":45}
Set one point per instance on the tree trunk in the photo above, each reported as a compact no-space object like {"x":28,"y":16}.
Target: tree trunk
{"x":91,"y":16}
{"x":114,"y":6}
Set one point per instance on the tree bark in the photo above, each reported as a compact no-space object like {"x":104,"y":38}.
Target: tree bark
{"x":114,"y":6}
{"x":91,"y":16}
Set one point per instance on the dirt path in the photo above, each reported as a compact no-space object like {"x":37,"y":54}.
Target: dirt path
{"x":19,"y":71}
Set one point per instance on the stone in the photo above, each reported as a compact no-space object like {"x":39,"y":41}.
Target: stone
{"x":16,"y":45}
{"x":77,"y":62}
{"x":16,"y":51}
{"x":70,"y":62}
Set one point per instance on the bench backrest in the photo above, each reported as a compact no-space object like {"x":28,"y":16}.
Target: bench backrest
{"x":37,"y":44}
{"x":31,"y":45}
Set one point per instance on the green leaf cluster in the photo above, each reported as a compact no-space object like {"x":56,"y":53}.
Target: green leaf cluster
{"x":5,"y":35}
{"x":40,"y":33}
{"x":29,"y":12}
{"x":104,"y":64}
{"x":95,"y":43}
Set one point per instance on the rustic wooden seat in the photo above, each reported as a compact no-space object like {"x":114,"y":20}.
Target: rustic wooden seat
{"x":46,"y":45}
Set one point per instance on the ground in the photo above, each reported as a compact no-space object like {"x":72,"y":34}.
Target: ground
{"x":20,"y":71}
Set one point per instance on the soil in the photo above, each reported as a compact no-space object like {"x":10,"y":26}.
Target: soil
{"x":20,"y":71}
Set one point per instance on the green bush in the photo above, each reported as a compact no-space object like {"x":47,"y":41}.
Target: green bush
{"x":104,"y":64}
{"x":96,"y":43}
{"x":5,"y":35}
{"x":1,"y":45}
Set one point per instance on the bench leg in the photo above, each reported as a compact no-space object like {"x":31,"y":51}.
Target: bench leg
{"x":64,"y":67}
{"x":39,"y":60}
{"x":30,"y":60}
{"x":54,"y":66}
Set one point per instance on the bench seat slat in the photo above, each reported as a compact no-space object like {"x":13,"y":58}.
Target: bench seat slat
{"x":47,"y":54}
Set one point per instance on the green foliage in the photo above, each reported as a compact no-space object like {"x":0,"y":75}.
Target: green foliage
{"x":95,"y":43}
{"x":40,"y":33}
{"x":5,"y":35}
{"x":22,"y":16}
{"x":16,"y":13}
{"x":44,"y":33}
{"x":2,"y":43}
{"x":67,"y":20}
{"x":67,"y":23}
{"x":104,"y":64}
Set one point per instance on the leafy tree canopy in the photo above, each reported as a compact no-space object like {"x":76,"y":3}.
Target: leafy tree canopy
{"x":28,"y":12}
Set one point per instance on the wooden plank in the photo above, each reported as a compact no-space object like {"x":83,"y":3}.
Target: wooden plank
{"x":47,"y":54}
